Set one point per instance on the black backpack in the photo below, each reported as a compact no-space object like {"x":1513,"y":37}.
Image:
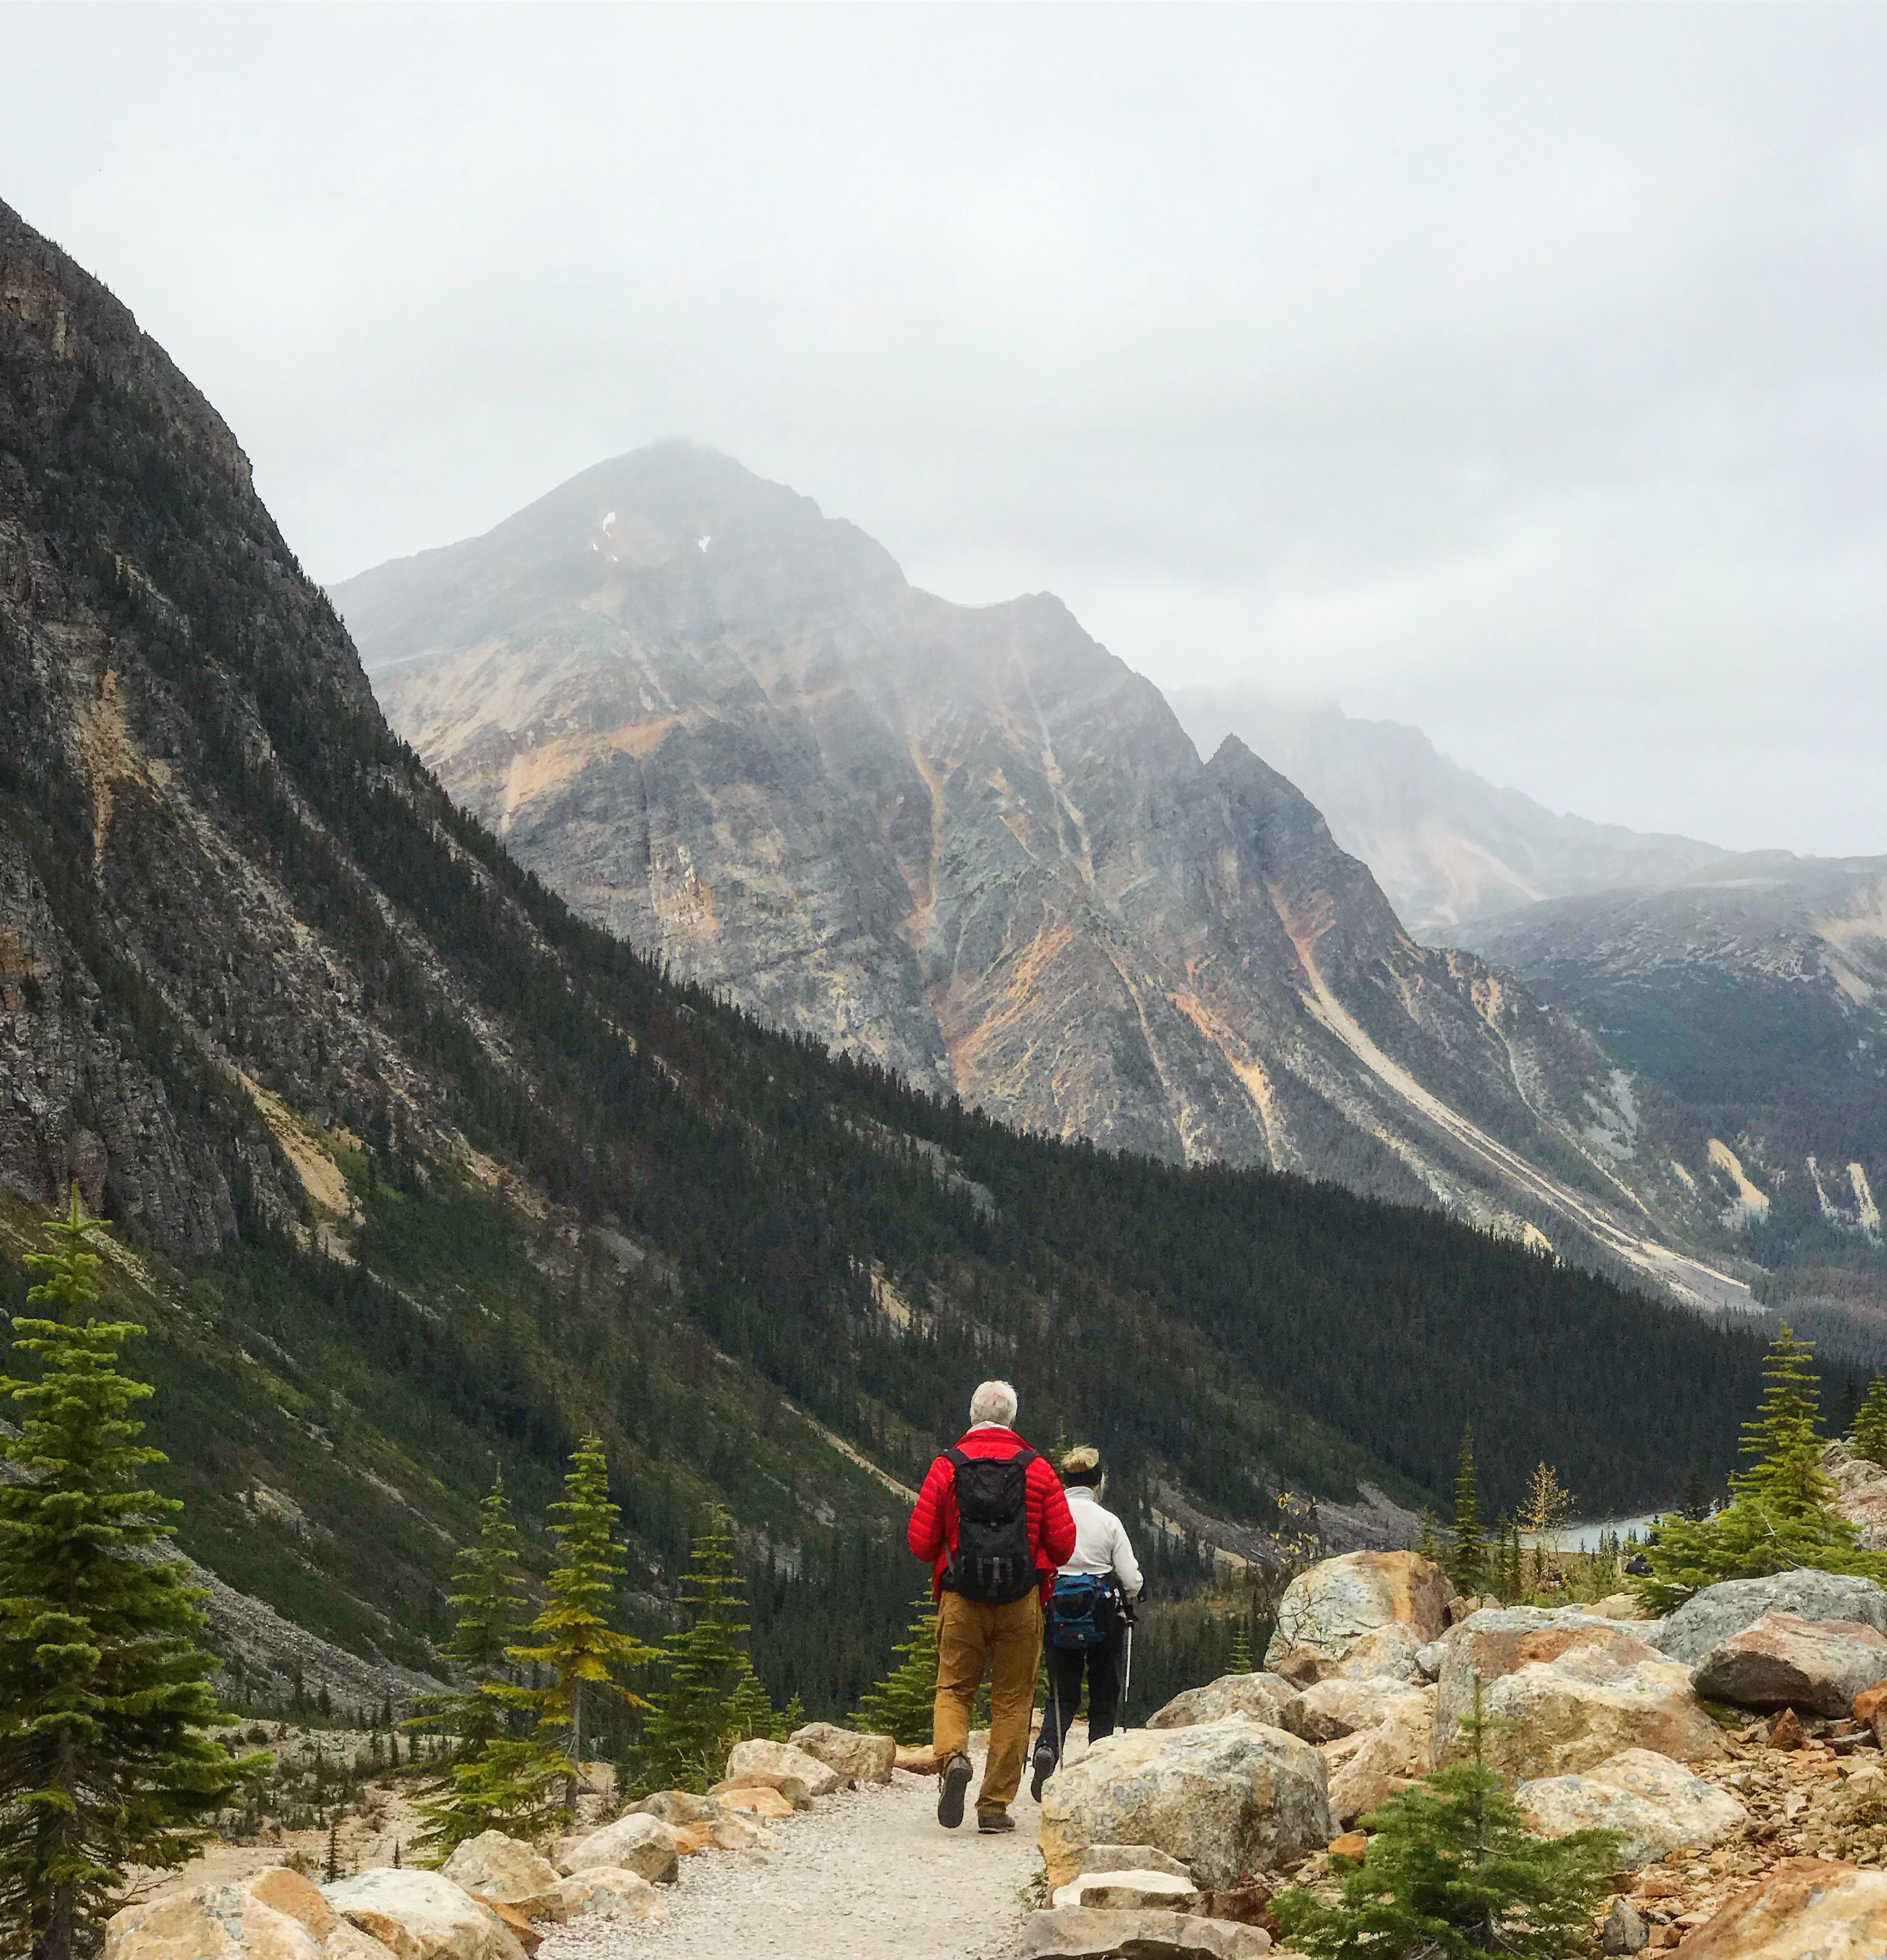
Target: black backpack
{"x":992,"y":1562}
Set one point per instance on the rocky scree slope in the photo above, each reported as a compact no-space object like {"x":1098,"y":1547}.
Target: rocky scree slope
{"x":971,"y":844}
{"x":1756,"y":992}
{"x":415,"y":1171}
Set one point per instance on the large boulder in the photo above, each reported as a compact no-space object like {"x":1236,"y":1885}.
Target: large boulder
{"x":1716,"y":1612}
{"x":607,"y":1892}
{"x":1804,"y":1909}
{"x":1337,"y":1602}
{"x":422,"y":1915}
{"x":506,"y":1869}
{"x":862,"y":1758}
{"x":637,"y":1843}
{"x":1783,"y":1661}
{"x":1222,"y":1798}
{"x":1564,"y":1691}
{"x":1369,"y":1767}
{"x":1341,"y":1706}
{"x":753,"y":1761}
{"x":288,"y":1891}
{"x":210,"y":1923}
{"x":1260,"y":1696}
{"x":1658,"y":1805}
{"x":1081,"y":1933}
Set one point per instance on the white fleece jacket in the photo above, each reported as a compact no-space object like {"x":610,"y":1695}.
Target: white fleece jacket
{"x":1100,"y":1541}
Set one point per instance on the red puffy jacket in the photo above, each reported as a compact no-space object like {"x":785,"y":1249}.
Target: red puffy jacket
{"x":933,"y":1533}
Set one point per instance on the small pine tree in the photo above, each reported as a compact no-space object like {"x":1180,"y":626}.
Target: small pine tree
{"x":1547,"y":1506}
{"x":492,"y":1779}
{"x":331,"y":1873}
{"x":1242,"y":1649}
{"x":1868,"y":1434}
{"x":1466,"y":1559}
{"x":713,"y":1699}
{"x":1451,"y":1872}
{"x":1430,"y":1546}
{"x":575,"y":1639}
{"x":105,"y":1705}
{"x":904,"y":1702}
{"x":1781,"y":1514}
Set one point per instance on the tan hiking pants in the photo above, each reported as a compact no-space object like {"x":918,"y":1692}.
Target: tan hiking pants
{"x":1008,"y":1640}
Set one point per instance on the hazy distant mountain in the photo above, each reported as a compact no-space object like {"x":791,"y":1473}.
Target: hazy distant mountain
{"x":972,"y":844}
{"x":1445,"y":844}
{"x":1757,"y":991}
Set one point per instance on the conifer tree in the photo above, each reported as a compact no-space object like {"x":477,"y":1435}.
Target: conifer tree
{"x":1507,"y":1580}
{"x":1430,"y":1544}
{"x":574,"y":1637}
{"x":105,"y":1700}
{"x":1545,"y":1509}
{"x":904,"y":1702}
{"x":1451,"y":1870}
{"x":1242,"y":1649}
{"x":1868,"y":1435}
{"x":493,"y":1779}
{"x":713,"y":1698}
{"x":1466,"y":1559}
{"x":1781,"y":1513}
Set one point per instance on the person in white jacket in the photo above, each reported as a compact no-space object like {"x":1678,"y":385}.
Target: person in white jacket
{"x":1087,"y":1615}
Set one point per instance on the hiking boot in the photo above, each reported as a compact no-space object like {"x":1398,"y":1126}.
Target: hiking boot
{"x":994,"y":1820}
{"x":949,"y":1803}
{"x":1044,"y":1760}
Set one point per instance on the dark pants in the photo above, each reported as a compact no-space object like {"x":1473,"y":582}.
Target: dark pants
{"x":1066,"y":1666}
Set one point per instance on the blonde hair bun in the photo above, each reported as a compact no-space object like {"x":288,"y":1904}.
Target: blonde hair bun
{"x":1082,"y":1456}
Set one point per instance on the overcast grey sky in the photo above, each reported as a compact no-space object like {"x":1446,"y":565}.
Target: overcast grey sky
{"x":1519,"y":371}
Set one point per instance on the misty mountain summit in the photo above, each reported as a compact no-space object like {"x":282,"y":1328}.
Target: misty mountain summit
{"x":972,"y":844}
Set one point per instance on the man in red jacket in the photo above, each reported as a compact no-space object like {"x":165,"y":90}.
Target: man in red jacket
{"x":993,"y":1522}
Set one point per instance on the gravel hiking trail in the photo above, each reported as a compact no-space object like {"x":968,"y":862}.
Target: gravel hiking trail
{"x":866,"y":1874}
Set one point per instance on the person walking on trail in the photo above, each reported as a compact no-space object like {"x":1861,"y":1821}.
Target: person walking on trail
{"x":994,"y":1522}
{"x":1088,"y":1611}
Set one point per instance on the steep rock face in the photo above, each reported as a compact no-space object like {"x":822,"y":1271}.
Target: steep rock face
{"x":972,"y":844}
{"x":127,"y":908}
{"x":1446,"y":844}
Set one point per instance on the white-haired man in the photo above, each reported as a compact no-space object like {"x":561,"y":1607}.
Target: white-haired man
{"x":994,"y":1522}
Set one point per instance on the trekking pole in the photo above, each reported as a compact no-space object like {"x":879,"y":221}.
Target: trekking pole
{"x":1127,"y":1679}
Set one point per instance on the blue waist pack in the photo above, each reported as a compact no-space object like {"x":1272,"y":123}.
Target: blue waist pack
{"x":1080,"y":1611}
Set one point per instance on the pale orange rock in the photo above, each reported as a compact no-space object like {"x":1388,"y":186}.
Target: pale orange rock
{"x":288,"y":1891}
{"x":212,"y":1923}
{"x":1804,"y":1906}
{"x":1786,"y":1731}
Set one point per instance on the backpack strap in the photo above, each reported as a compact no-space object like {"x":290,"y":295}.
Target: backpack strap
{"x":959,"y":1458}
